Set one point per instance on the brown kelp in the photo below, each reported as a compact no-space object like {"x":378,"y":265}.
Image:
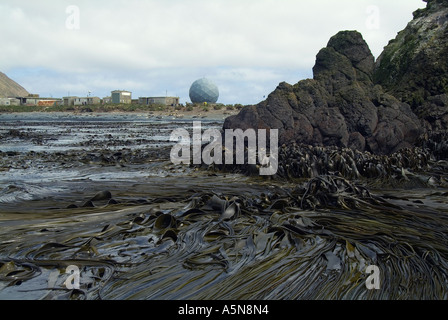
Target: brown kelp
{"x":408,"y":167}
{"x":139,"y":227}
{"x":309,"y":241}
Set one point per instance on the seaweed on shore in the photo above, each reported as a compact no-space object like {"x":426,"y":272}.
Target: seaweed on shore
{"x":408,"y":167}
{"x":310,"y":241}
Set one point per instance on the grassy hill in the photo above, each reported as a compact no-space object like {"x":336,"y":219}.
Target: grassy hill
{"x":10,"y":88}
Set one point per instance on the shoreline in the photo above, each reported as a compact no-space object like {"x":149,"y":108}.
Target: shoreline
{"x":188,"y":114}
{"x":131,"y":108}
{"x":172,"y":113}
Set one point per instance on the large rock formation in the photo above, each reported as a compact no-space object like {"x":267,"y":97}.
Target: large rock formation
{"x":10,"y":88}
{"x":414,"y":66}
{"x":341,"y":106}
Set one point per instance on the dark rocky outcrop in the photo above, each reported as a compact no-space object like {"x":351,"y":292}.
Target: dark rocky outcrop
{"x":341,"y":106}
{"x":400,"y":100}
{"x":414,"y":67}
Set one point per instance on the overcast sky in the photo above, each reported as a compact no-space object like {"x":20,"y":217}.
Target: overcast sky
{"x":154,"y":47}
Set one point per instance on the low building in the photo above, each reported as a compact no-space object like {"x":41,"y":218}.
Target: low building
{"x":14,"y":101}
{"x":93,"y":100}
{"x":47,"y":102}
{"x":9,"y":102}
{"x":168,"y":101}
{"x":34,"y":100}
{"x":4,"y":102}
{"x":30,"y":100}
{"x":81,"y":101}
{"x":84,"y":101}
{"x":121,"y":96}
{"x":69,"y":101}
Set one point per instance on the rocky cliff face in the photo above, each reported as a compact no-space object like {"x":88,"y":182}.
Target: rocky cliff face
{"x":10,"y":88}
{"x":414,"y":66}
{"x":341,"y":106}
{"x":353,"y":101}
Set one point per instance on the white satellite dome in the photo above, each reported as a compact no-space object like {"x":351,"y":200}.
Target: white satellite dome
{"x":204,"y":90}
